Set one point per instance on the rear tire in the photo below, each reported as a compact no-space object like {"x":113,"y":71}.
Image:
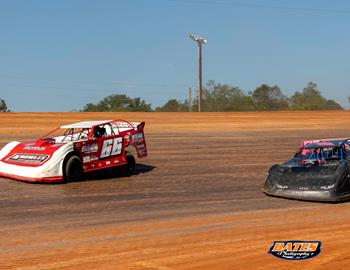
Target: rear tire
{"x":72,"y":169}
{"x":129,"y":168}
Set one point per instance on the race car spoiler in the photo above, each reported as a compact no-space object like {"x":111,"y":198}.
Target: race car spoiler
{"x":133,"y":133}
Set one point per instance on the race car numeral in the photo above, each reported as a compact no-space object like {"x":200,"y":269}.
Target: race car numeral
{"x":112,"y":147}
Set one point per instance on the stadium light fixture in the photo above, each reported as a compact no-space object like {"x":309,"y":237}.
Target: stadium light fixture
{"x":200,"y":41}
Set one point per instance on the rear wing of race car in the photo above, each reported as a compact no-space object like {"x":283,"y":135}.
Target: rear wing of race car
{"x":134,"y":135}
{"x":138,"y":140}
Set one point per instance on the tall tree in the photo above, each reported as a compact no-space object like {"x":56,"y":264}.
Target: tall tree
{"x":311,"y":99}
{"x":118,"y":103}
{"x":173,"y":105}
{"x":223,"y":98}
{"x":269,"y":98}
{"x":332,"y":105}
{"x":3,"y":106}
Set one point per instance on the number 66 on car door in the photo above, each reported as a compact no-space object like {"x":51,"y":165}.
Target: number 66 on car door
{"x":111,"y":147}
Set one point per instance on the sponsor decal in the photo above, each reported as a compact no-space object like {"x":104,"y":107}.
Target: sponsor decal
{"x":86,"y":159}
{"x":138,"y":137}
{"x":28,"y":158}
{"x":91,"y":148}
{"x":34,"y":148}
{"x":93,"y":158}
{"x":295,"y":249}
{"x":122,"y":125}
{"x":141,"y":148}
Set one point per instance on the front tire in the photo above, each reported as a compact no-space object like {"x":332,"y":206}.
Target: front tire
{"x":73,"y":169}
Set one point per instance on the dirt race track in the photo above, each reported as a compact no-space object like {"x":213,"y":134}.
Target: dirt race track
{"x":194,"y":204}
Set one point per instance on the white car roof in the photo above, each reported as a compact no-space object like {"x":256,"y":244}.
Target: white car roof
{"x":86,"y":124}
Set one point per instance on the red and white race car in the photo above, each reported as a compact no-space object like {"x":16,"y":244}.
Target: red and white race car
{"x":67,"y":152}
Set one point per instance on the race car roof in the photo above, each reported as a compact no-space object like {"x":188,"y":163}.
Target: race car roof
{"x":324,"y":144}
{"x":86,"y":124}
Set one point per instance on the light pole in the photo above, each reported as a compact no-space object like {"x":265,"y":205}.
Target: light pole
{"x":200,"y":41}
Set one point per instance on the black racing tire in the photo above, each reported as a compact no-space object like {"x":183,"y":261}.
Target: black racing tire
{"x":72,"y":168}
{"x":130,"y":167}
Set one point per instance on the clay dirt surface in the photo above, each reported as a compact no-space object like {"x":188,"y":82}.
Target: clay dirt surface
{"x":195,"y":202}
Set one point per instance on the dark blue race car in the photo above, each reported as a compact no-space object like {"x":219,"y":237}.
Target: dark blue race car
{"x":319,"y":171}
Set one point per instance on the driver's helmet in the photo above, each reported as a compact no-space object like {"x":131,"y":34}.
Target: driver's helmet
{"x":99,"y":132}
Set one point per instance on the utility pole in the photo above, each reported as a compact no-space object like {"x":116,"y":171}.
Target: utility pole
{"x":200,"y":41}
{"x":190,"y":99}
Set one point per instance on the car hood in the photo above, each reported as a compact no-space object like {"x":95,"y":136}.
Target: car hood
{"x":34,"y":153}
{"x":308,"y":177}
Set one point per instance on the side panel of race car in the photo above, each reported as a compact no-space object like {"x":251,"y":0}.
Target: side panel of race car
{"x":109,"y":151}
{"x":101,"y":152}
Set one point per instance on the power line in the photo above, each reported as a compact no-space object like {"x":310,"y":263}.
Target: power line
{"x":70,"y":88}
{"x":89,"y":86}
{"x":170,"y":85}
{"x":225,"y":3}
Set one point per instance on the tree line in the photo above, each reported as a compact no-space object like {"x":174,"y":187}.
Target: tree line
{"x":221,"y":98}
{"x":225,"y":98}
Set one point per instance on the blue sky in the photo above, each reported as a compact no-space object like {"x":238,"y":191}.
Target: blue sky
{"x":60,"y":55}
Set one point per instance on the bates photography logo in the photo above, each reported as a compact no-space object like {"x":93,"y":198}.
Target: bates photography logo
{"x":295,"y":249}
